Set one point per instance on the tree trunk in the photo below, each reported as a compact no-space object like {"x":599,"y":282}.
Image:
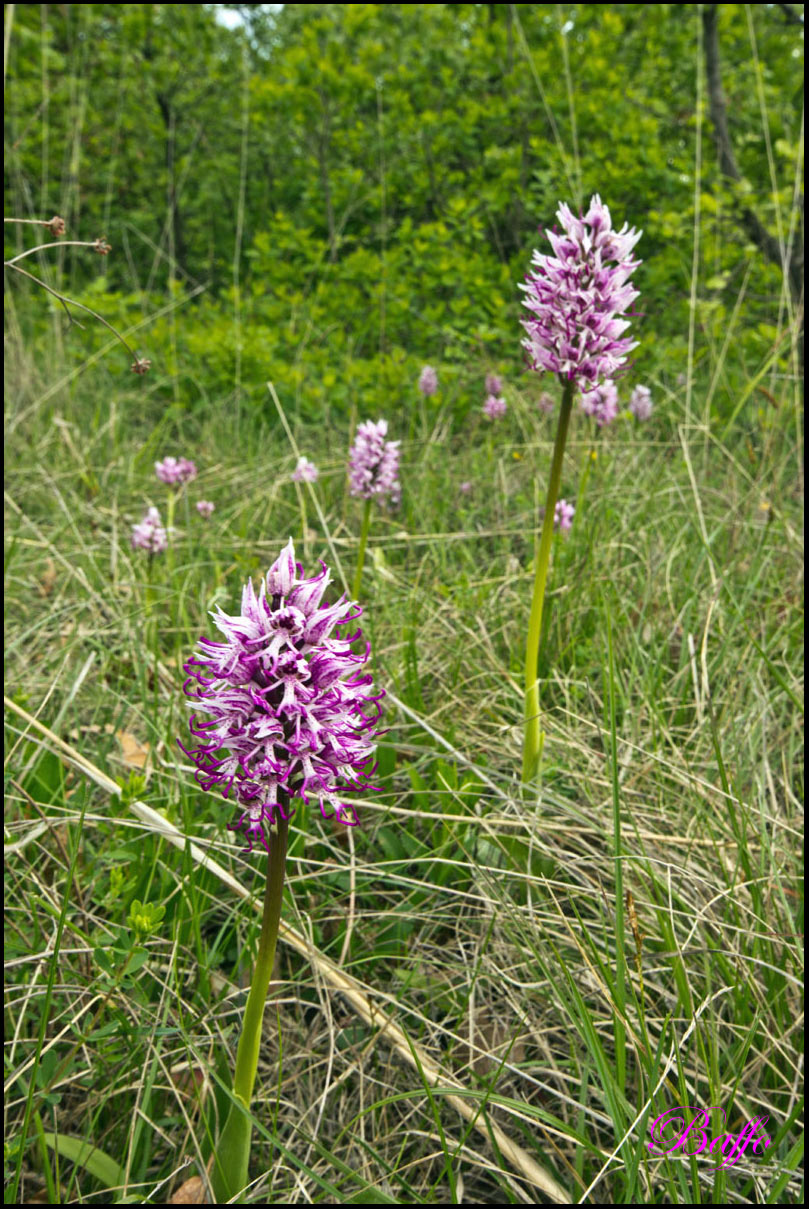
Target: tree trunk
{"x":791,"y":260}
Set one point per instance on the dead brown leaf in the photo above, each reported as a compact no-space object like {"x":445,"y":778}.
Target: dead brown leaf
{"x":48,"y":578}
{"x":192,"y":1192}
{"x":134,"y":753}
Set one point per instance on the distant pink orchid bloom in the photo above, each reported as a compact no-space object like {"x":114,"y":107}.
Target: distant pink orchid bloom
{"x":640,"y":403}
{"x":494,"y":384}
{"x":175,"y":471}
{"x":563,"y":514}
{"x":428,"y":381}
{"x":205,"y":508}
{"x":601,"y":403}
{"x":305,"y":472}
{"x":495,"y":408}
{"x":149,"y":534}
{"x":546,"y":403}
{"x":374,"y":463}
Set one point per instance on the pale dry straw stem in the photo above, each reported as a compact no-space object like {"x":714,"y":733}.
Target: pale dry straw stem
{"x":698,"y":506}
{"x":24,"y":841}
{"x":158,"y":1011}
{"x":352,"y":898}
{"x":29,"y":991}
{"x":171,"y":1085}
{"x":548,"y":111}
{"x":325,"y":1003}
{"x":309,"y":487}
{"x":67,"y":1030}
{"x":457,"y":755}
{"x":7,"y":39}
{"x":46,"y":698}
{"x":692,"y":314}
{"x":719,"y":366}
{"x":676,"y":1047}
{"x":692,"y":662}
{"x":703,"y":651}
{"x":796,"y":214}
{"x":102,"y":352}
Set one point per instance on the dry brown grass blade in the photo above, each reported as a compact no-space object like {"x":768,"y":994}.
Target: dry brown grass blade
{"x":349,"y":988}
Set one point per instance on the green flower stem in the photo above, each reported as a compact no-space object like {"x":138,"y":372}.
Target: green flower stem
{"x":229,"y":1176}
{"x":172,"y":503}
{"x":366,"y":521}
{"x":532,"y":750}
{"x":302,"y":506}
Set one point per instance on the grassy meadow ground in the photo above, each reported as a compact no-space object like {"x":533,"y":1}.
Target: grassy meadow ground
{"x":484,"y":994}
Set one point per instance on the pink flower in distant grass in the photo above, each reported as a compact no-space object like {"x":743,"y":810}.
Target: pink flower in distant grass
{"x":374,"y":463}
{"x":578,"y":296}
{"x":428,"y":381}
{"x":640,"y":403}
{"x":175,"y":471}
{"x":291,"y":713}
{"x":305,"y":472}
{"x":205,"y":508}
{"x":601,"y":403}
{"x":546,"y":402}
{"x":465,"y":487}
{"x":494,"y":408}
{"x":150,"y":534}
{"x":563,"y":514}
{"x":494,"y":385}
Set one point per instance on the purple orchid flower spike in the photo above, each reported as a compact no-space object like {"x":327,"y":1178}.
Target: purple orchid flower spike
{"x":290,"y":712}
{"x":578,"y":297}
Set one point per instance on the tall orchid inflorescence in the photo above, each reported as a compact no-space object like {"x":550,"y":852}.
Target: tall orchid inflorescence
{"x":149,"y":534}
{"x":563,"y":515}
{"x":640,"y":403}
{"x":175,"y":471}
{"x":428,"y":381}
{"x":494,"y":408}
{"x":283,"y":712}
{"x":373,"y":471}
{"x":374,"y":463}
{"x":291,"y":714}
{"x":305,"y":472}
{"x":601,"y":403}
{"x":577,"y":297}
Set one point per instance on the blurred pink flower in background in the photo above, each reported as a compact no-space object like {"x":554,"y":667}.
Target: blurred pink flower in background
{"x":494,"y":408}
{"x":149,"y":534}
{"x":305,"y":472}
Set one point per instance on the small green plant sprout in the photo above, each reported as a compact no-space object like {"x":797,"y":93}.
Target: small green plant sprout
{"x":132,"y":787}
{"x":145,"y":918}
{"x":118,"y":881}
